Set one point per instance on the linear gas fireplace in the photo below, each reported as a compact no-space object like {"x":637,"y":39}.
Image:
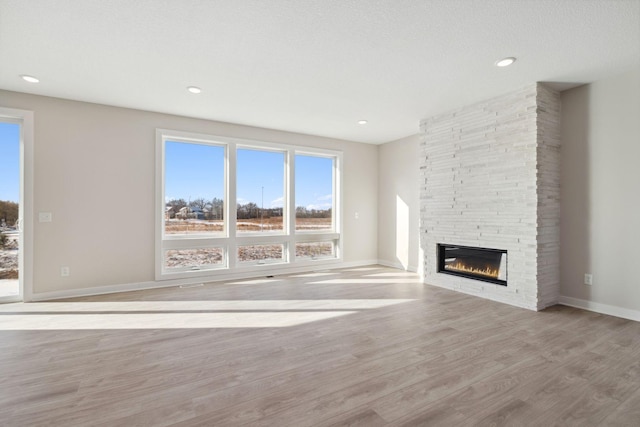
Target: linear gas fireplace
{"x":488,"y":265}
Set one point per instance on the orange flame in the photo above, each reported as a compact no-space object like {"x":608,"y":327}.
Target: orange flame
{"x":461,"y":267}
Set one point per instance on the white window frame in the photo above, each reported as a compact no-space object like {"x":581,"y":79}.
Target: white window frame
{"x":25,"y":119}
{"x":229,"y":240}
{"x":199,"y":141}
{"x":270,"y":148}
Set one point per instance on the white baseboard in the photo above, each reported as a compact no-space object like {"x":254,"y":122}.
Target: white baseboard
{"x":392,"y":264}
{"x":611,"y":310}
{"x":353,"y":264}
{"x":128,"y":287}
{"x":396,"y":264}
{"x":101,"y":290}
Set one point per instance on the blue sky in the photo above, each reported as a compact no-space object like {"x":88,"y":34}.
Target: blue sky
{"x":193,"y":171}
{"x":10,"y":162}
{"x":196,"y":171}
{"x":256,"y":169}
{"x":314,"y":185}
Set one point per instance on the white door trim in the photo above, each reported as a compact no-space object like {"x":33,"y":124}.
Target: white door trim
{"x":26,"y":120}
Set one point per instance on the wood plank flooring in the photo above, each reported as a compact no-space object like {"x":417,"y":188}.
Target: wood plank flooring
{"x":353,"y":347}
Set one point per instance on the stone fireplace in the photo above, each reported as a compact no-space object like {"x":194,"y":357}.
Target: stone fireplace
{"x":490,"y":180}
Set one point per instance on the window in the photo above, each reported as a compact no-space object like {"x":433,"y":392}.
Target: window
{"x":233,"y":205}
{"x":315,"y":250}
{"x":193,"y":259}
{"x":194,"y":188}
{"x":261,"y":254}
{"x":314,"y":193}
{"x":259,"y":179}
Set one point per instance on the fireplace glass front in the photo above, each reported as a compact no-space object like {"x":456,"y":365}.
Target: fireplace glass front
{"x":488,"y":265}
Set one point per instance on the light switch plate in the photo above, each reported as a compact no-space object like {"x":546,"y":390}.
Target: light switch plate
{"x":45,"y":216}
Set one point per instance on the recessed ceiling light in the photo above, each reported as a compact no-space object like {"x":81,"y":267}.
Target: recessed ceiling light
{"x":362,"y":122}
{"x":194,"y":89}
{"x":29,"y":79}
{"x":505,"y":62}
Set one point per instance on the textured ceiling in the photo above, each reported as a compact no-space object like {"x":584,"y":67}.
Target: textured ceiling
{"x":310,"y":66}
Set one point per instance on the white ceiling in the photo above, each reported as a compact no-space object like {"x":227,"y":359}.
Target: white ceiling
{"x":310,"y":66}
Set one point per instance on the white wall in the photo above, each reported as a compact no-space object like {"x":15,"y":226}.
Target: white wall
{"x":95,"y":171}
{"x":399,"y":204}
{"x":600,"y":181}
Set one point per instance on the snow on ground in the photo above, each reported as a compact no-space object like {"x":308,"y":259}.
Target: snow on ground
{"x":9,"y":288}
{"x":9,"y":265}
{"x":9,"y":269}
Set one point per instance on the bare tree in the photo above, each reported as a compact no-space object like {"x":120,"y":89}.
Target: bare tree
{"x":9,"y":212}
{"x":198,"y":203}
{"x":217,"y":208}
{"x":177,"y":204}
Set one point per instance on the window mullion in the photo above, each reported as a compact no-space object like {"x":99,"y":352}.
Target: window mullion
{"x":230,"y":210}
{"x":337,"y":212}
{"x":160,"y":205}
{"x":291,"y":204}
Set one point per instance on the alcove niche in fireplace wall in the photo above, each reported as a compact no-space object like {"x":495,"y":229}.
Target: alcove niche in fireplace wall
{"x":490,"y":179}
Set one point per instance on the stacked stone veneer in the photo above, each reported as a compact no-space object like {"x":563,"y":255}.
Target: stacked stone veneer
{"x":490,"y":179}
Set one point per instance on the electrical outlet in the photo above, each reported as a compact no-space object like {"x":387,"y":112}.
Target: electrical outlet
{"x":588,"y":279}
{"x":64,"y":271}
{"x":357,"y":215}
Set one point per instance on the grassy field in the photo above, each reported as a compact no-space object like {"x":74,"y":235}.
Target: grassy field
{"x":180,"y":258}
{"x":9,"y":260}
{"x":179,"y":226}
{"x":8,"y":274}
{"x":213,"y":256}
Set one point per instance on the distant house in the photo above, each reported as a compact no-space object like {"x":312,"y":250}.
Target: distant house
{"x":190,"y":213}
{"x":169,"y":213}
{"x":197,"y":213}
{"x":183,"y":213}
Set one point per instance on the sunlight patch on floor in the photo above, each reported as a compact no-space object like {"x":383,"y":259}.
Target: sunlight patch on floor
{"x":313,"y":275}
{"x":168,"y":306}
{"x":179,"y":314}
{"x":163,"y":320}
{"x":365,"y":281}
{"x":253,"y":282}
{"x":395,"y":274}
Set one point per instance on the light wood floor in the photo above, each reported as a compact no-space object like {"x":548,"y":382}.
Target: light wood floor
{"x":358,"y":347}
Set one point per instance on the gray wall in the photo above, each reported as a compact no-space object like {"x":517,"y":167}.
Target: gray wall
{"x":399,"y":204}
{"x":600,"y":191}
{"x":95,"y":171}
